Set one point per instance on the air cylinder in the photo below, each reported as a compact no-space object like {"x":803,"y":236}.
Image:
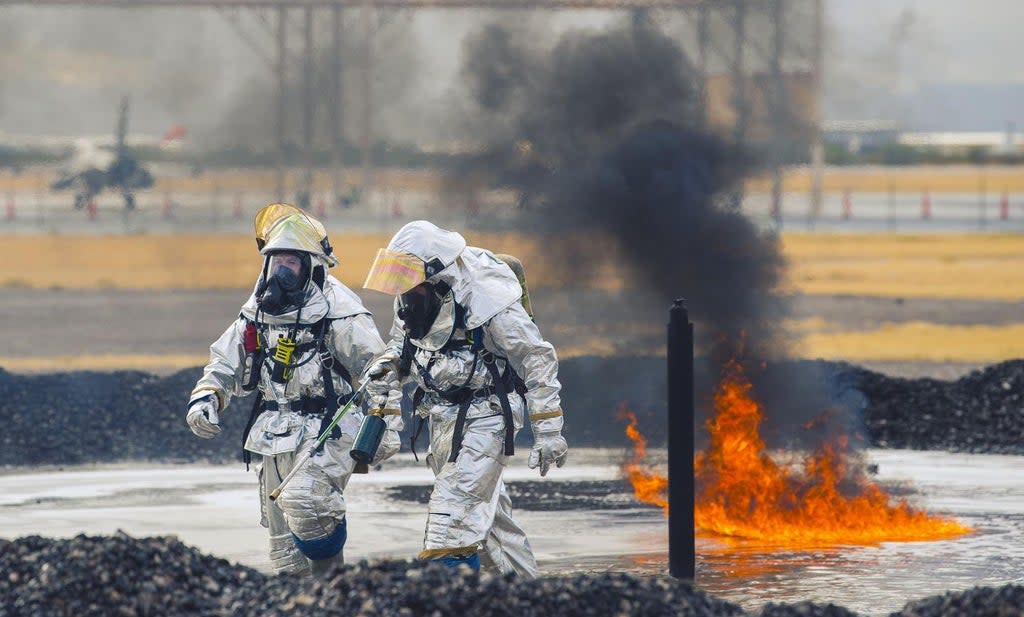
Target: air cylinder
{"x":368,"y":439}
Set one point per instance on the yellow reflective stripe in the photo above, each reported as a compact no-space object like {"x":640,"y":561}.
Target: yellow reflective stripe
{"x":544,"y":415}
{"x":435,"y":553}
{"x":388,"y":412}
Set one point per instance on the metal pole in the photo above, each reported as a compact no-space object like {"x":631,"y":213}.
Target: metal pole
{"x":739,"y":85}
{"x":982,"y":202}
{"x":306,"y":196}
{"x":890,"y":208}
{"x":337,"y":155}
{"x":739,"y":89}
{"x":817,"y":87}
{"x":282,"y":22}
{"x":367,"y":79}
{"x":703,"y":40}
{"x":777,"y":115}
{"x":681,"y":542}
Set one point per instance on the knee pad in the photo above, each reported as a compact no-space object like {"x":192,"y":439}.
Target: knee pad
{"x":473,"y":561}
{"x":324,"y":548}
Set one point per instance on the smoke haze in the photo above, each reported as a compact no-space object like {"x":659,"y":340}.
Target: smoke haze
{"x":601,"y":138}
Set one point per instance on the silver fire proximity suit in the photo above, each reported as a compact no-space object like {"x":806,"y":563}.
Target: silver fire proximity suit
{"x":334,"y":337}
{"x":480,"y":335}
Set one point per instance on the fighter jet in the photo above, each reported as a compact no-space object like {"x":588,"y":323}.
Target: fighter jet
{"x":91,"y":168}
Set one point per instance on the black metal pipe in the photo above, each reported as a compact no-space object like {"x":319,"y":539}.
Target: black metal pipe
{"x":681,"y":543}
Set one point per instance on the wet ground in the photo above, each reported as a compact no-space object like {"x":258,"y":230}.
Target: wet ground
{"x":215,"y":509}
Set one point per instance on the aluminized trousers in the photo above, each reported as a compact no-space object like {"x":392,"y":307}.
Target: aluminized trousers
{"x":311,"y":506}
{"x":469,"y":509}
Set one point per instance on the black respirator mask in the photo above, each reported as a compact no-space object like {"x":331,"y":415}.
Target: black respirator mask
{"x":418,"y":308}
{"x":283,"y":290}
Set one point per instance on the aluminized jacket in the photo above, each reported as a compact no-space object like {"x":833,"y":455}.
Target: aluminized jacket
{"x":313,"y":504}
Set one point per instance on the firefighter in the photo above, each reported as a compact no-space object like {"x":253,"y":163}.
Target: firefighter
{"x":297,"y":341}
{"x":481,"y":369}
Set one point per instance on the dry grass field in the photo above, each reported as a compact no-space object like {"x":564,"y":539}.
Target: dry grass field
{"x":989,"y":267}
{"x":935,"y":266}
{"x":955,"y":267}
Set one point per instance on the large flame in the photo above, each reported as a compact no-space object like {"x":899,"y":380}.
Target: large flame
{"x":743,"y":493}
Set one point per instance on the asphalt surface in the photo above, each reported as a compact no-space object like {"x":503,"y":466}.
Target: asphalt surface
{"x":68,"y":323}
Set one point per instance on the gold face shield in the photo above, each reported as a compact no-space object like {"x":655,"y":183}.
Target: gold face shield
{"x":395,"y":273}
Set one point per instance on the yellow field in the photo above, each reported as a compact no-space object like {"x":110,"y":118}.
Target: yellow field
{"x":989,"y":267}
{"x":962,"y":267}
{"x":939,"y":266}
{"x":918,"y":341}
{"x":934,"y":179}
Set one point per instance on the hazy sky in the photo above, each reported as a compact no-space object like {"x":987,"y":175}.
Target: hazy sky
{"x":942,"y":40}
{"x":63,"y":73}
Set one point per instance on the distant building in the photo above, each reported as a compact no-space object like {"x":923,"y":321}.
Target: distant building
{"x":858,"y":135}
{"x":963,"y":142}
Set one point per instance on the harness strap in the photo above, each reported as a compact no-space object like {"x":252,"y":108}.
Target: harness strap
{"x":506,"y":408}
{"x":308,"y":405}
{"x":420,"y":421}
{"x":460,"y":425}
{"x":327,"y":363}
{"x":253,"y":413}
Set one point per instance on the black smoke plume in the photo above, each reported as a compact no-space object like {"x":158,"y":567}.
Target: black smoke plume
{"x":603,"y":140}
{"x":603,"y":134}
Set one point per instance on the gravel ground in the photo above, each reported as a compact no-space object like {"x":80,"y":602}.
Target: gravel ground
{"x":84,"y":417}
{"x":119,"y":575}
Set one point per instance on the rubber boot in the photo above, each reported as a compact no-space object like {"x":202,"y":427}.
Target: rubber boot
{"x":322,"y":567}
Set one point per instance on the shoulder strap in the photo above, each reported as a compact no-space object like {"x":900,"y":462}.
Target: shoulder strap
{"x":329,"y":365}
{"x":327,"y":358}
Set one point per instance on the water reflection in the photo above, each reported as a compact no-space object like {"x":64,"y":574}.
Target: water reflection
{"x":985,"y":492}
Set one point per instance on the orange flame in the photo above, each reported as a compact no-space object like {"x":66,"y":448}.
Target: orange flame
{"x":743,"y":493}
{"x":649,"y":487}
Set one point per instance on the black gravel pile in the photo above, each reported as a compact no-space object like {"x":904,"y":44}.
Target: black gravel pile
{"x":977,"y":602}
{"x":805,"y":609}
{"x":981,"y":412}
{"x":94,"y":417}
{"x":539,"y":495}
{"x":397,"y":588}
{"x":121,"y":576}
{"x":114,"y":576}
{"x":84,"y":417}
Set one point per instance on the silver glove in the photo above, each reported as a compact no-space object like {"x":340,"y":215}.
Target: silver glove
{"x":379,"y":381}
{"x":390,"y":444}
{"x":379,"y":367}
{"x":202,"y":417}
{"x":548,"y":448}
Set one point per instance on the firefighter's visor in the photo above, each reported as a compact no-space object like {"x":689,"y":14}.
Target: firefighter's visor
{"x":394,"y":272}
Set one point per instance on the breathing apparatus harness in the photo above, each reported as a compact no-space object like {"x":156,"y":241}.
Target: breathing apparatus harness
{"x":283,"y":369}
{"x":502,"y":384}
